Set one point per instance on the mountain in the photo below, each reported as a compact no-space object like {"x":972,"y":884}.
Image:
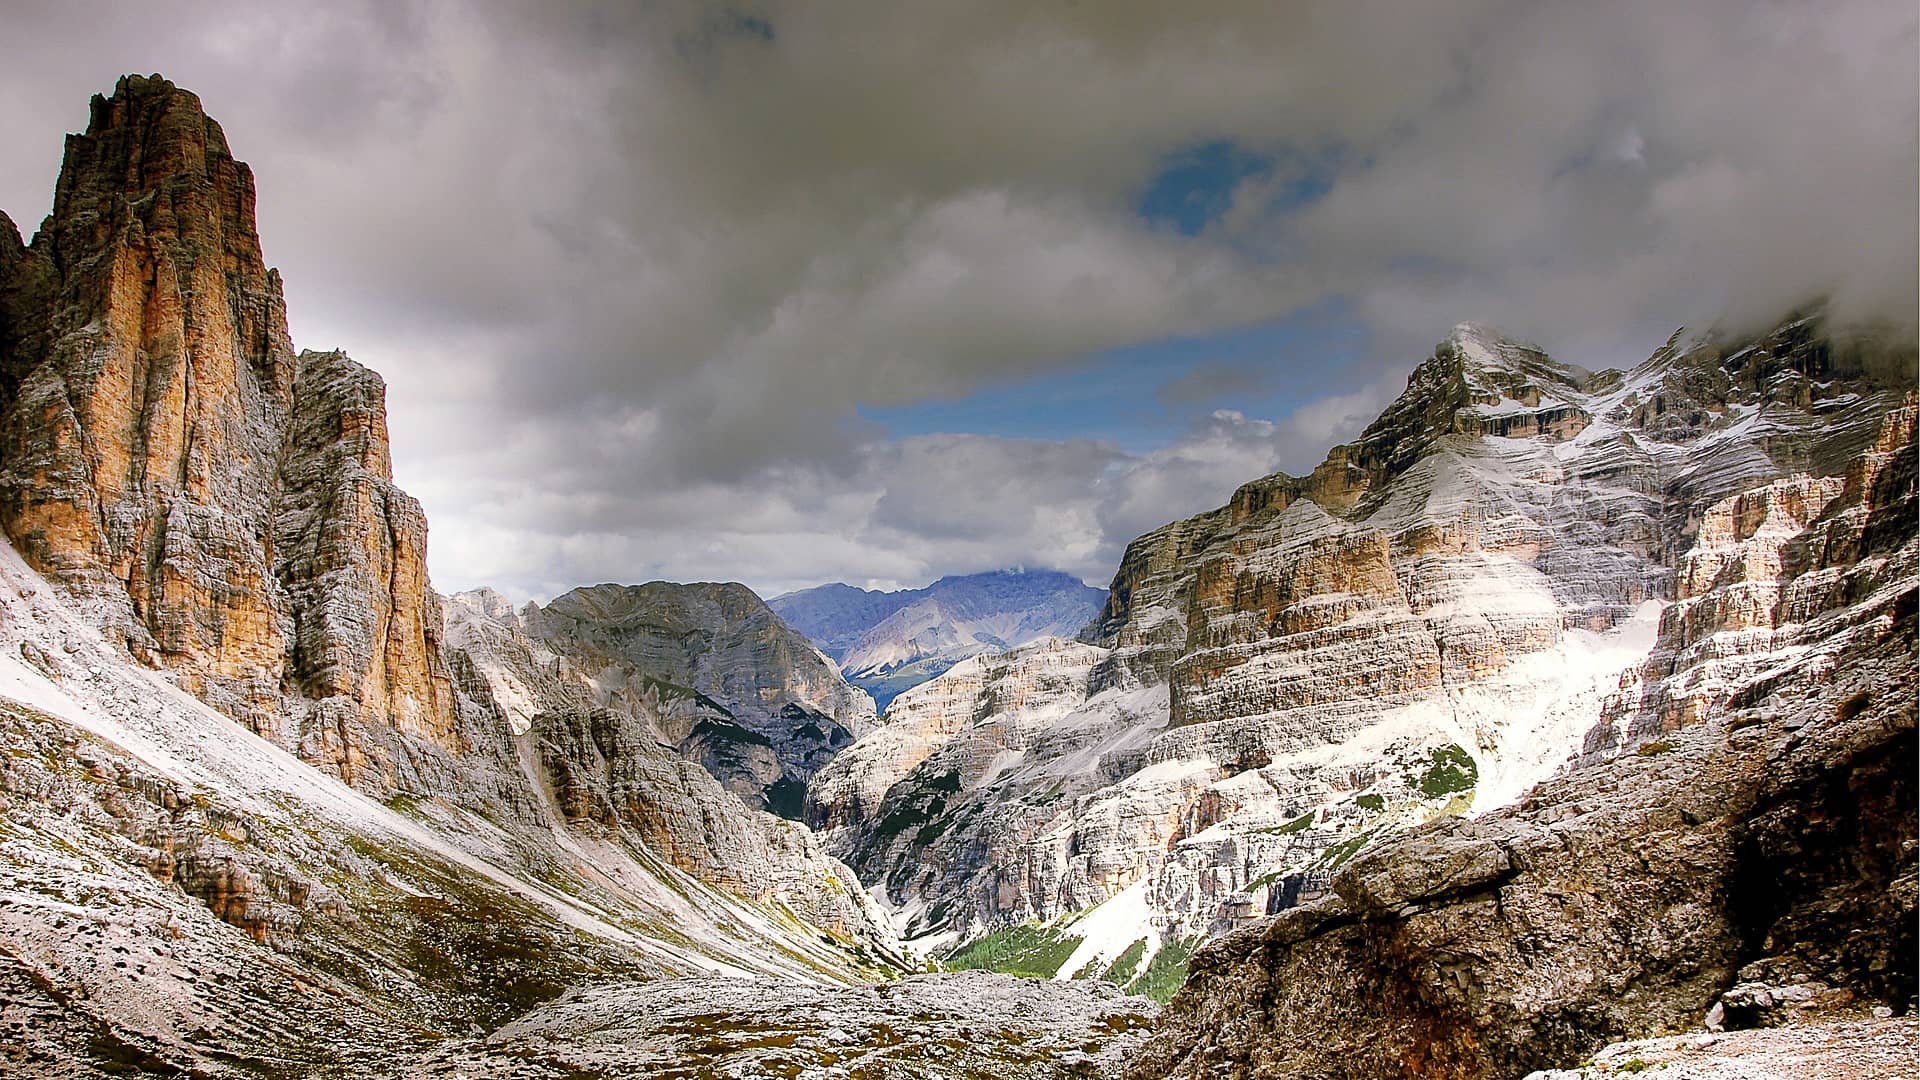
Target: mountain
{"x":1751,"y":866}
{"x":270,"y":805}
{"x":757,"y":704}
{"x":1559,"y":708}
{"x":1515,"y":569}
{"x":890,"y":642}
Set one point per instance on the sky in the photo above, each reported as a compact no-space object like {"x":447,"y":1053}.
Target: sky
{"x":881,"y":291}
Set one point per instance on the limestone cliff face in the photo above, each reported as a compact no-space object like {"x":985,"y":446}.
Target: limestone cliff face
{"x":601,"y":736}
{"x":226,"y":507}
{"x":1765,"y":565}
{"x":148,"y":392}
{"x":775,"y":709}
{"x":1458,"y":486}
{"x":1752,"y":866}
{"x":1497,"y":577}
{"x":350,"y":551}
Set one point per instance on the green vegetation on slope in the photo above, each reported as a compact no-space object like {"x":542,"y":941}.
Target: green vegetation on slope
{"x":1120,"y":972}
{"x":1028,"y":949}
{"x":1452,"y":770}
{"x":1165,"y":972}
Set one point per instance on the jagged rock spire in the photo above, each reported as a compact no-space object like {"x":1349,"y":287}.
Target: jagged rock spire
{"x":162,"y":455}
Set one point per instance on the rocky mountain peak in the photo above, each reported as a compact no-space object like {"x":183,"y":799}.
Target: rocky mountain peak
{"x":225,"y":507}
{"x":776,"y":708}
{"x":153,"y":165}
{"x":1477,"y":381}
{"x":490,"y":603}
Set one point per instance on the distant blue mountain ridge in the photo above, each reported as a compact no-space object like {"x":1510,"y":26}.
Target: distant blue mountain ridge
{"x":889,"y":642}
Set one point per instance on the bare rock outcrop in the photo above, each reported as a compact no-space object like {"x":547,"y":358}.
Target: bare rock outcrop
{"x":224,"y":506}
{"x":1753,"y":863}
{"x":759,"y":705}
{"x":350,"y":551}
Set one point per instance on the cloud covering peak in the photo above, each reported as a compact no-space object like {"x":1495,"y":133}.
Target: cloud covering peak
{"x":633,"y":271}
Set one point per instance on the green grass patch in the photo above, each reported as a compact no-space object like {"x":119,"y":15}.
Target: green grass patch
{"x":1371,"y":802}
{"x":1337,"y":855}
{"x":1029,"y":949}
{"x":1166,"y":972}
{"x":1451,"y":771}
{"x":1120,"y":972}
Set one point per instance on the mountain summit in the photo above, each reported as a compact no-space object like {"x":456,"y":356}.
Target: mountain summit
{"x":1518,"y":567}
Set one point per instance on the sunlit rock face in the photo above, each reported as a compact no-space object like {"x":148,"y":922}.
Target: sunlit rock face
{"x":226,"y":506}
{"x":1750,"y":865}
{"x":149,"y":389}
{"x":1427,"y":624}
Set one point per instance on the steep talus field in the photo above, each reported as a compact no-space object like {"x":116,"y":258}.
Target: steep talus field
{"x":1509,"y":571}
{"x":890,"y":642}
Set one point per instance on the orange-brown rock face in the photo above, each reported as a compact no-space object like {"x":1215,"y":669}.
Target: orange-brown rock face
{"x":156,"y":423}
{"x":350,"y":549}
{"x":140,"y":439}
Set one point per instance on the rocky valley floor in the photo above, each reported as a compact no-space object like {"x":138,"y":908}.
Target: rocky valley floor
{"x":1881,"y":1049}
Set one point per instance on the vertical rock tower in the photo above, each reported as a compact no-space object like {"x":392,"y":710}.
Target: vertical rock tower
{"x":225,"y":505}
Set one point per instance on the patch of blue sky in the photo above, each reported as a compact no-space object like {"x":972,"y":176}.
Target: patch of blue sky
{"x":1196,"y":187}
{"x":1144,"y":396}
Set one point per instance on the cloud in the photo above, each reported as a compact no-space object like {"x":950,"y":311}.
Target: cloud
{"x":628,"y":269}
{"x":1213,"y":381}
{"x":902,"y":512}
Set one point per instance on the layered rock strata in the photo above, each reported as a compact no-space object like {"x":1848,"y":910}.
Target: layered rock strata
{"x":225,"y":506}
{"x":1427,"y":624}
{"x":1753,"y":865}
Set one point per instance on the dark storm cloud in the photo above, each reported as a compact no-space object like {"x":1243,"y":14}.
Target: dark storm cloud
{"x":628,"y":267}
